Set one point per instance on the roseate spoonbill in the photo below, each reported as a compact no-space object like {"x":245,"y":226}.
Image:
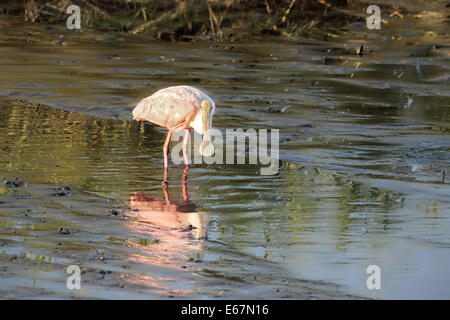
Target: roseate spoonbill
{"x":179,"y":108}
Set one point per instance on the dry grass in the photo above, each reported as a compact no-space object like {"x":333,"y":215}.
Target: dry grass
{"x":175,"y":19}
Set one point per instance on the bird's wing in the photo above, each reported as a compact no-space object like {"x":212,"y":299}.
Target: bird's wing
{"x":170,"y":108}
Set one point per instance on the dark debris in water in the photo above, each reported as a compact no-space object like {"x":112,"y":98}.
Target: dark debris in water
{"x":59,"y":43}
{"x":105,"y":272}
{"x":16,"y":182}
{"x":63,"y":191}
{"x":116,"y":213}
{"x":64,"y":231}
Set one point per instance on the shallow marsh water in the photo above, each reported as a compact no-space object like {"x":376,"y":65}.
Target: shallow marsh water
{"x":363,"y":142}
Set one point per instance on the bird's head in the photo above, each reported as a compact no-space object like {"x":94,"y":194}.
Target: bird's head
{"x":206,"y":114}
{"x":206,"y":148}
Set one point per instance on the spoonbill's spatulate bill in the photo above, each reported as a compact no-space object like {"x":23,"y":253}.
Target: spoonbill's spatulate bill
{"x":179,"y":108}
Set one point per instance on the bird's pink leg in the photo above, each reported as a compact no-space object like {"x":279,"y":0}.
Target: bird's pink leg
{"x":185,"y":145}
{"x":166,"y":149}
{"x":166,"y":192}
{"x":183,"y":183}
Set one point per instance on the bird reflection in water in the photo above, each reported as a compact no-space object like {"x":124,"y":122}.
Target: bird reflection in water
{"x":181,"y":215}
{"x":180,"y":230}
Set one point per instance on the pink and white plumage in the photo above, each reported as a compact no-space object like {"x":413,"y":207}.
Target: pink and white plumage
{"x":179,"y":108}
